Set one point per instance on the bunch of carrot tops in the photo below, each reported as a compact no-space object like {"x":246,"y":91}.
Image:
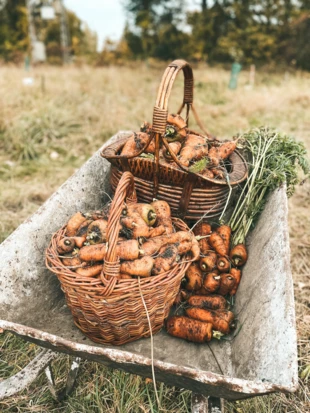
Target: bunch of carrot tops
{"x":200,"y":154}
{"x":215,"y":275}
{"x":148,"y":243}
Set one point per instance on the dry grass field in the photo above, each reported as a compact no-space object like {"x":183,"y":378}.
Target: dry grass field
{"x":45,"y":135}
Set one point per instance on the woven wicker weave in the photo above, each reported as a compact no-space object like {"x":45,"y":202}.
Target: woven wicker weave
{"x":110,"y":310}
{"x":190,"y":195}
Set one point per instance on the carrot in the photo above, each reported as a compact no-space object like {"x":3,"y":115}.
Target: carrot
{"x":213,"y":302}
{"x":203,"y":229}
{"x":163,"y":213}
{"x":218,"y":172}
{"x":141,"y":267}
{"x":153,"y":245}
{"x":72,"y":261}
{"x":236,"y":274}
{"x":207,"y":173}
{"x":195,"y":148}
{"x":195,"y":249}
{"x":146,"y":127}
{"x":225,"y":232}
{"x":90,"y":271}
{"x":184,"y":247}
{"x":97,"y":231}
{"x":193,"y":278}
{"x":208,"y":262}
{"x":135,"y":224}
{"x":220,"y":320}
{"x":211,"y":282}
{"x":126,"y":250}
{"x":146,"y":211}
{"x":177,"y":121}
{"x":155,"y":232}
{"x":79,"y":241}
{"x":191,"y":330}
{"x":227,"y":284}
{"x":167,"y":259}
{"x":217,"y":243}
{"x":223,"y":264}
{"x":136,"y":142}
{"x":239,"y":255}
{"x":74,"y":223}
{"x":65,"y":245}
{"x":216,"y":154}
{"x":174,"y":147}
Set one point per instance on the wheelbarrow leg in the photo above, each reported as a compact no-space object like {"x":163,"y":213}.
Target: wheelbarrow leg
{"x":203,"y":404}
{"x":72,"y":375}
{"x":26,"y":376}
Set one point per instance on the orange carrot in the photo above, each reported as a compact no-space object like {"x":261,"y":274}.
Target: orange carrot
{"x":195,"y":250}
{"x":65,"y":245}
{"x":223,"y":264}
{"x":136,"y":142}
{"x":208,"y":262}
{"x":203,"y":229}
{"x":126,"y":250}
{"x":191,"y":330}
{"x":225,"y":233}
{"x":221,"y":320}
{"x":239,"y":255}
{"x":212,"y":282}
{"x":79,"y":241}
{"x":217,"y":243}
{"x":72,"y":261}
{"x":140,"y":268}
{"x":153,"y":245}
{"x":74,"y":223}
{"x":236,"y":274}
{"x":213,"y":302}
{"x":146,"y":211}
{"x":227,"y":284}
{"x":167,"y":259}
{"x":97,"y":231}
{"x":174,"y":147}
{"x":193,"y":277}
{"x":184,"y":247}
{"x":195,"y":148}
{"x":163,"y":213}
{"x":155,"y":232}
{"x":90,"y":271}
{"x":135,"y":224}
{"x":177,"y":121}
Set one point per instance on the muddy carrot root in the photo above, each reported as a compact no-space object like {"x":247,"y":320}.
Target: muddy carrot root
{"x":146,"y":211}
{"x":212,"y":282}
{"x":140,"y":268}
{"x":74,"y":223}
{"x":79,"y":241}
{"x":191,"y":330}
{"x":225,"y":233}
{"x":97,"y":231}
{"x":217,"y":243}
{"x":136,"y":142}
{"x":212,"y":302}
{"x":195,"y":250}
{"x":203,"y":229}
{"x":65,"y":245}
{"x":227,"y":284}
{"x":163,"y":213}
{"x":167,"y":259}
{"x":174,"y":147}
{"x":90,"y":271}
{"x":223,"y":264}
{"x":126,"y":250}
{"x":82,"y":231}
{"x":136,"y":224}
{"x":195,"y":148}
{"x":239,"y":255}
{"x":184,"y":247}
{"x":72,"y":261}
{"x":236,"y":274}
{"x":157,"y":231}
{"x":193,"y":277}
{"x":208,"y":263}
{"x":220,"y":319}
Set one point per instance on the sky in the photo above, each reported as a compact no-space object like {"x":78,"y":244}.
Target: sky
{"x":106,"y":17}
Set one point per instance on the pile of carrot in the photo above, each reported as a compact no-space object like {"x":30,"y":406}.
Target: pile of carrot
{"x":208,"y":284}
{"x":148,"y":243}
{"x":196,"y":152}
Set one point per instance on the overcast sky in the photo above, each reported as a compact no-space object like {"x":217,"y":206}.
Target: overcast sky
{"x":106,"y":17}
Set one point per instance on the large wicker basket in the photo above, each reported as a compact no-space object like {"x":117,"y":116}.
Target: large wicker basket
{"x":190,"y":195}
{"x":111,"y":310}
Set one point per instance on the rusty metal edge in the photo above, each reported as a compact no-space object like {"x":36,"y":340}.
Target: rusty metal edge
{"x":235,"y":385}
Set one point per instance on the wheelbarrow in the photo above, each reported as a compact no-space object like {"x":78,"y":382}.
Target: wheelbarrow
{"x":260,"y":359}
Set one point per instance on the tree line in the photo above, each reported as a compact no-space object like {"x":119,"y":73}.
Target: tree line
{"x":217,"y":31}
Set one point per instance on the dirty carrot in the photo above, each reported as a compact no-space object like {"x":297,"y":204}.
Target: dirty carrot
{"x":146,"y":211}
{"x":195,"y":147}
{"x":125,"y":250}
{"x":217,"y":243}
{"x":167,"y":259}
{"x":208,"y":262}
{"x":223,"y":264}
{"x":239,"y":255}
{"x":174,"y":147}
{"x":227,"y":284}
{"x":203,"y":229}
{"x":225,"y":233}
{"x":236,"y":274}
{"x":193,"y":278}
{"x":74,"y":223}
{"x":213,"y":302}
{"x":97,"y":231}
{"x":65,"y":245}
{"x":221,"y":320}
{"x":163,"y":213}
{"x":191,"y":330}
{"x":211,"y":282}
{"x":141,"y":267}
{"x":90,"y":271}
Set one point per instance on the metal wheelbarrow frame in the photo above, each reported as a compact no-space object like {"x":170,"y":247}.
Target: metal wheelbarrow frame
{"x":260,"y":359}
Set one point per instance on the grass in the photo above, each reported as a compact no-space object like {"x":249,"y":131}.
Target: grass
{"x":46,"y":135}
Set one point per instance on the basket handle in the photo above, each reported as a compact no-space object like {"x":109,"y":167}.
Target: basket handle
{"x":125,"y":191}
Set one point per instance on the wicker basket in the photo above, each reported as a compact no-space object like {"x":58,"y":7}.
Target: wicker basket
{"x":110,"y":310}
{"x":190,"y":195}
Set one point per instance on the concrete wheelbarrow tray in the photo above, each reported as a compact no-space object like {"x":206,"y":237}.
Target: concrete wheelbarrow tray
{"x":260,"y":359}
